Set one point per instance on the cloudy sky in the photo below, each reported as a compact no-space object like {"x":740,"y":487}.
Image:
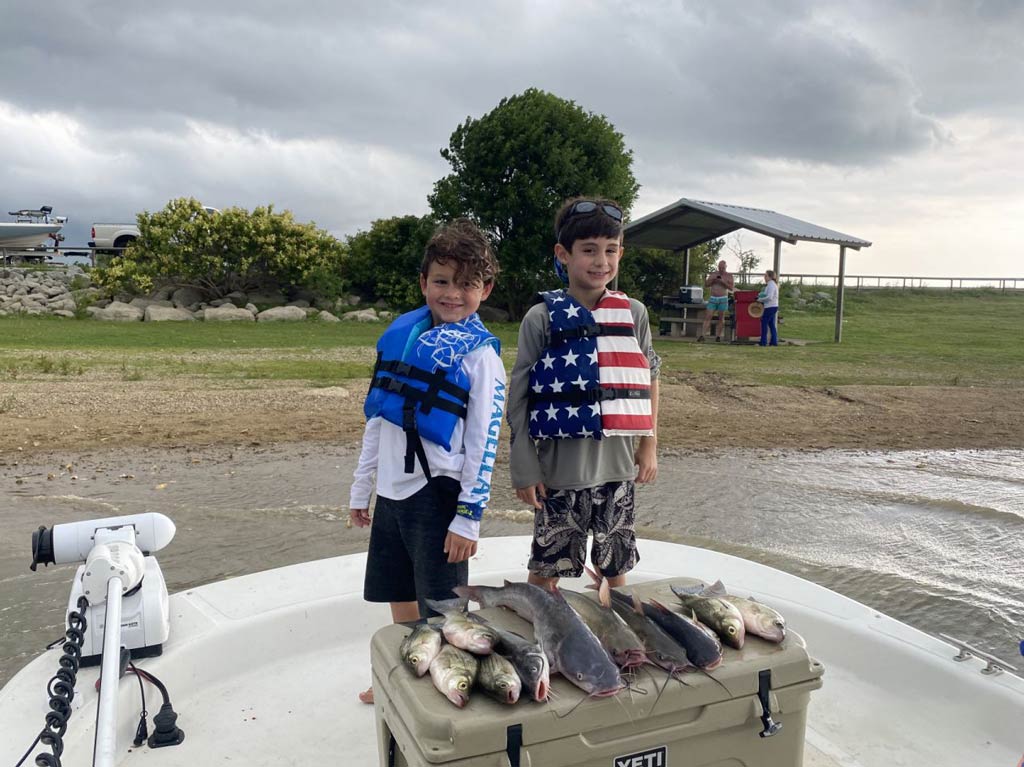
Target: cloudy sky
{"x":900,"y":123}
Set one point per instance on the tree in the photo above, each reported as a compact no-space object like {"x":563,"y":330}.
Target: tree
{"x":748,"y":259}
{"x":226,"y":251}
{"x":385,"y":261}
{"x":512,"y":169}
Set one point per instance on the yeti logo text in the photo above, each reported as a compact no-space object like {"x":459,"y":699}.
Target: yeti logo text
{"x":654,"y":757}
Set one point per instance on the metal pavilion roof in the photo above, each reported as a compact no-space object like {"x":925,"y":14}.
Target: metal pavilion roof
{"x":686,"y":223}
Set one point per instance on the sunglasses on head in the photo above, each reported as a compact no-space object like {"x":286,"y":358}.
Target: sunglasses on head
{"x":584,"y":207}
{"x":587,"y":207}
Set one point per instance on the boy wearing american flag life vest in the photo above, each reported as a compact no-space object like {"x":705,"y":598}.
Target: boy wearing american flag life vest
{"x":583,"y":404}
{"x":433,"y":414}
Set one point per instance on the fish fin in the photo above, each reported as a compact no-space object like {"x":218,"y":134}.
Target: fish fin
{"x":597,"y":578}
{"x":637,"y":607}
{"x":658,"y":606}
{"x":469,"y":593}
{"x":445,"y":606}
{"x":716,"y":589}
{"x":688,"y":591}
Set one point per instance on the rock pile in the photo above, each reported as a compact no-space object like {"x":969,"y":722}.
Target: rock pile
{"x":69,"y":293}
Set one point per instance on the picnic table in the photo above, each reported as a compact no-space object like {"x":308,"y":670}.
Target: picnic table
{"x":680,"y":319}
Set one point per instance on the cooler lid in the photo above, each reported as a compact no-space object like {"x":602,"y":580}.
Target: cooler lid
{"x":444,"y":732}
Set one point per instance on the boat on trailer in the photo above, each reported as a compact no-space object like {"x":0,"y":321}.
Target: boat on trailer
{"x":30,"y":230}
{"x":263,"y":669}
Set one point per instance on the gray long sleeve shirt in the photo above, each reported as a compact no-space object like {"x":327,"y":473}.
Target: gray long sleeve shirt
{"x":565,"y":464}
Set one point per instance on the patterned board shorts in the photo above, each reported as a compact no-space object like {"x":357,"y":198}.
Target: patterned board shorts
{"x":561,"y":528}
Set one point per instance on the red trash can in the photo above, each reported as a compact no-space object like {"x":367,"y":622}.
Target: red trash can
{"x":747,"y":326}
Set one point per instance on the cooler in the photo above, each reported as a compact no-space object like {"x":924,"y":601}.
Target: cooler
{"x":704,"y":723}
{"x":747,"y":326}
{"x":691,"y":294}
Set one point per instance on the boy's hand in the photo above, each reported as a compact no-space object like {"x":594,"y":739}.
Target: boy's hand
{"x":532,"y":494}
{"x":457,"y":548}
{"x":359,"y":517}
{"x":646,"y":460}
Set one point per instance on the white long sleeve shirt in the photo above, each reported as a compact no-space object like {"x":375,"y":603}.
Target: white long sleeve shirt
{"x":769,"y":295}
{"x":470,"y":461}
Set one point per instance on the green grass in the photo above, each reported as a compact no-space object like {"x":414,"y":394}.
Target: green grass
{"x":918,"y":337}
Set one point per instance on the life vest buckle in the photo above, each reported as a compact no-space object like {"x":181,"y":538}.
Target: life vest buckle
{"x":392,"y":385}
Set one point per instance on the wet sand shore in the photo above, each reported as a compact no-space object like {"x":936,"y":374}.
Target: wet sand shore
{"x":700,"y":412}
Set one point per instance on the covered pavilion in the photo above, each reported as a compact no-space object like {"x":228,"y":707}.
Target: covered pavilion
{"x":687,"y":223}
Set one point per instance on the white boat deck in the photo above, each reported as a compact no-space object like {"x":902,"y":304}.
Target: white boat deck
{"x":264,"y":670}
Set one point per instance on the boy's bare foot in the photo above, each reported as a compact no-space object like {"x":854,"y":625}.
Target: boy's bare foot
{"x":367,"y":695}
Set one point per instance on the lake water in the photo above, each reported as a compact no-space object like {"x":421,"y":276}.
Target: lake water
{"x":932,"y":538}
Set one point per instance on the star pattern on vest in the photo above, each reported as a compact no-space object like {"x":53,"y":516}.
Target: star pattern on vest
{"x":565,"y":369}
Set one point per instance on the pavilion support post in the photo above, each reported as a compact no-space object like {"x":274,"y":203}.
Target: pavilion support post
{"x":839,"y":293}
{"x":777,"y":262}
{"x":686,"y":266}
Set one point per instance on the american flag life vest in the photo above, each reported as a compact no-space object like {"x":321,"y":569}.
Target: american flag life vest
{"x":592,"y":380}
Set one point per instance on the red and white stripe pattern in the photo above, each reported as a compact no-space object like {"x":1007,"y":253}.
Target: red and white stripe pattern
{"x":622,"y":365}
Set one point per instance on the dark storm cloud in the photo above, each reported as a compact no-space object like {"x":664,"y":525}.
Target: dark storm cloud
{"x":338,"y":110}
{"x":721,"y":77}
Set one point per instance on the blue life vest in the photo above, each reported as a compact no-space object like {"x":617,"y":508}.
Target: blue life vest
{"x":418,"y":381}
{"x":565,"y":391}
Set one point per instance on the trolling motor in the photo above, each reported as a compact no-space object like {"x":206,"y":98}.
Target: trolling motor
{"x":118,"y":599}
{"x":114,"y":548}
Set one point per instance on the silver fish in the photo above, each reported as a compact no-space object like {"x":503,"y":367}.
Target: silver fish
{"x":715,"y":612}
{"x":498,"y":678}
{"x":571,"y":647}
{"x":758,"y":618}
{"x":461,"y":630}
{"x":420,"y":647}
{"x":453,"y":672}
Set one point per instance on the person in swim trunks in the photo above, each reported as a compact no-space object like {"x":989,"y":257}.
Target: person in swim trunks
{"x":720,"y":284}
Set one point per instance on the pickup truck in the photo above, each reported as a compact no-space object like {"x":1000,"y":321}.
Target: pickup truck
{"x":113,"y":238}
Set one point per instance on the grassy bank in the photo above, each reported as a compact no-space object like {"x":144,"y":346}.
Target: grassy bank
{"x":918,"y":337}
{"x":966,"y":338}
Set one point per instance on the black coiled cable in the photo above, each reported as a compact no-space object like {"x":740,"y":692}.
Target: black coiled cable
{"x":61,"y":689}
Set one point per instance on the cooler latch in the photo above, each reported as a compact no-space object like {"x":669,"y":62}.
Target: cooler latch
{"x":764,"y":686}
{"x":513,"y":742}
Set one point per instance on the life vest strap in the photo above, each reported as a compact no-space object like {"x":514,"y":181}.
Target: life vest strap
{"x":435,"y":380}
{"x":413,"y":442}
{"x":428,"y":399}
{"x":590,"y":331}
{"x":590,"y":396}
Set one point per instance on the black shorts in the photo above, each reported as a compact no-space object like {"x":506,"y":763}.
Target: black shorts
{"x":561,"y":528}
{"x":406,"y":560}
